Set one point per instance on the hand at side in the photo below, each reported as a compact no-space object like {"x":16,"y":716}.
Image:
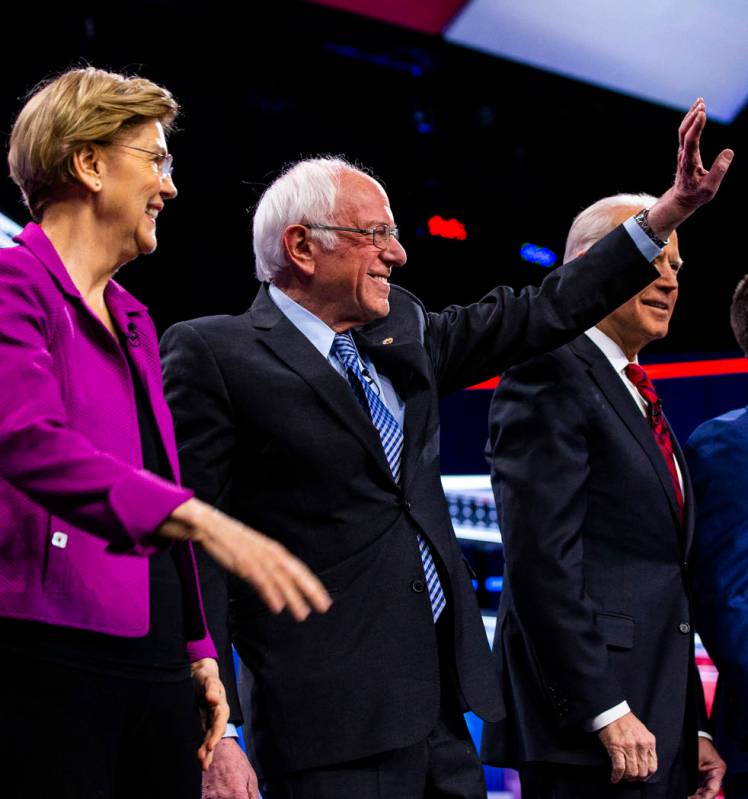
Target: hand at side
{"x":711,"y":770}
{"x":631,"y":747}
{"x":230,"y":776}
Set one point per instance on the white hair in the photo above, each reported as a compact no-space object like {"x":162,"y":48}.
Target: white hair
{"x":596,"y":221}
{"x":305,"y":193}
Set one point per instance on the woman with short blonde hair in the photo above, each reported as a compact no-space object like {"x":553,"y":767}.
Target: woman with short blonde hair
{"x":82,"y":106}
{"x":102,"y":632}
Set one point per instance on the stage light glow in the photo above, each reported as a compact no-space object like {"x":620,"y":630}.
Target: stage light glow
{"x":669,"y":371}
{"x":383,"y":60}
{"x":619,"y":45}
{"x":8,"y":229}
{"x":447,"y":228}
{"x":541,"y":256}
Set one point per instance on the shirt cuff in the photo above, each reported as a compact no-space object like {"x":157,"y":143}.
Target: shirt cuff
{"x":644,"y":244}
{"x":607,"y":717}
{"x":231,"y":731}
{"x":706,"y":735}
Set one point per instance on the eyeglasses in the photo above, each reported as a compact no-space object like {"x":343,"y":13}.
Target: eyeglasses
{"x":164,"y":161}
{"x":380,"y":234}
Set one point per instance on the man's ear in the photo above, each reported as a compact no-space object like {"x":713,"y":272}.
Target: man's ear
{"x":300,"y":249}
{"x":87,"y":165}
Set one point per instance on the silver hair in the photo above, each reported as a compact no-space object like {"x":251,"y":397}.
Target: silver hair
{"x":306,"y":192}
{"x":596,"y":221}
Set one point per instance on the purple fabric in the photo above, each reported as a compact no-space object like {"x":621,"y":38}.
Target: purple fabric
{"x":70,"y":458}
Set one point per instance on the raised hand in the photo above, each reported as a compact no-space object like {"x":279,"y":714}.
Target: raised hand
{"x":694,"y":186}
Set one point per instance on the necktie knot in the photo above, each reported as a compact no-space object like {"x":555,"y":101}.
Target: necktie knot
{"x":345,"y":350}
{"x":639,"y":378}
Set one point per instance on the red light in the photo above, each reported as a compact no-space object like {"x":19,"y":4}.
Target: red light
{"x":447,"y":228}
{"x":723,"y":366}
{"x":668,"y":371}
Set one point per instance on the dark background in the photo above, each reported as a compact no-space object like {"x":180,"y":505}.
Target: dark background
{"x":511,"y":151}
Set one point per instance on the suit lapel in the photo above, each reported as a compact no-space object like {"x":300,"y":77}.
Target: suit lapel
{"x":625,"y":406}
{"x":290,"y":346}
{"x":401,"y":360}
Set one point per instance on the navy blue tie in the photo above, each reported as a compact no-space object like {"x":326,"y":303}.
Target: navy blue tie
{"x":344,"y":349}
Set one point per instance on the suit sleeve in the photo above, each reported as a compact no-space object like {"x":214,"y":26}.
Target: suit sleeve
{"x":540,"y":472}
{"x":476,"y":342}
{"x":717,"y":458}
{"x":42,"y":455}
{"x":205,"y":431}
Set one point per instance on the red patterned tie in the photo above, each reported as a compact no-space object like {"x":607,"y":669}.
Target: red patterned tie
{"x":657,"y":422}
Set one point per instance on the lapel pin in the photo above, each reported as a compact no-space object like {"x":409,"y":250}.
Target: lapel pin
{"x":388,"y":340}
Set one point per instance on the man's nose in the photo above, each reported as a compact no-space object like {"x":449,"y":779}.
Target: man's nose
{"x":394,"y":253}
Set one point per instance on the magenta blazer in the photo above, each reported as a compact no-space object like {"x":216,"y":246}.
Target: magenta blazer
{"x":77,"y":511}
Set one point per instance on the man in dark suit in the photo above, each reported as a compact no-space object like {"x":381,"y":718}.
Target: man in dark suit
{"x":330,"y":442}
{"x":717,"y":455}
{"x":594,"y":638}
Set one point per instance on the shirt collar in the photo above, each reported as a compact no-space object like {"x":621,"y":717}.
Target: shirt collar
{"x":312,"y":327}
{"x":610,"y":349}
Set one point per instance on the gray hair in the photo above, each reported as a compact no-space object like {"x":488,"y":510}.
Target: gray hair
{"x":306,"y":192}
{"x":596,"y":221}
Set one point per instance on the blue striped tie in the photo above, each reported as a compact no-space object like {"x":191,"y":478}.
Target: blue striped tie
{"x":392,"y":438}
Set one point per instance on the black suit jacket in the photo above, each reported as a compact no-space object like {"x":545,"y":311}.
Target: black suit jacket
{"x":271,"y":433}
{"x":595,"y":608}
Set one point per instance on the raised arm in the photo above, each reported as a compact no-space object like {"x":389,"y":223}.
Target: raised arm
{"x":694,"y":186}
{"x":473,"y":343}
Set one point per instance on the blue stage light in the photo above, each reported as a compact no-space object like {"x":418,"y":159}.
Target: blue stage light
{"x":8,"y":229}
{"x":541,"y":256}
{"x":382,"y":60}
{"x":494,"y":584}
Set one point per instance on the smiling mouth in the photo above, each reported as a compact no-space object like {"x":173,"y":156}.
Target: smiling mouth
{"x":381,"y":279}
{"x":661,"y":306}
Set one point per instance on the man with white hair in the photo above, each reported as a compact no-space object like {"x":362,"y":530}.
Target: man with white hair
{"x":315,"y":416}
{"x":594,"y":637}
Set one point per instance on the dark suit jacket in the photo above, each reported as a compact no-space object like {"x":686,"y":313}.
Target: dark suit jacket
{"x":595,"y":607}
{"x":270,"y":432}
{"x":717,"y":455}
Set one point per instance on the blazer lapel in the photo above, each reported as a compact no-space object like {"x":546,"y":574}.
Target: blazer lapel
{"x":402,"y":361}
{"x":625,"y":406}
{"x":290,"y":346}
{"x":131,"y":317}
